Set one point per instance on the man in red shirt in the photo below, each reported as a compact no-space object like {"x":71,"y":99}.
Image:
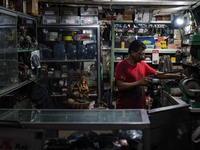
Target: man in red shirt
{"x":131,"y":77}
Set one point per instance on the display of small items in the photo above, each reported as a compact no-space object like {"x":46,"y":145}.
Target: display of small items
{"x":81,"y":89}
{"x":71,"y":82}
{"x":79,"y":96}
{"x":81,"y":51}
{"x":124,"y":35}
{"x":26,"y":35}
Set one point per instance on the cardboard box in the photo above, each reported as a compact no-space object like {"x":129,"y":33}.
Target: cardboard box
{"x":148,"y":41}
{"x":68,"y":11}
{"x":70,"y":20}
{"x":89,"y":20}
{"x":32,"y":7}
{"x":166,"y":18}
{"x":128,"y":15}
{"x":89,"y":11}
{"x":163,"y":18}
{"x":50,"y":20}
{"x":161,"y":43}
{"x":177,"y":34}
{"x":178,"y":43}
{"x":50,"y":11}
{"x":142,"y":16}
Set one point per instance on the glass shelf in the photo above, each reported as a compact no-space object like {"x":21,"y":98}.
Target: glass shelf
{"x":14,"y":87}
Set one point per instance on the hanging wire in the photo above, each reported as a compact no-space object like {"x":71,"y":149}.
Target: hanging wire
{"x":111,"y":5}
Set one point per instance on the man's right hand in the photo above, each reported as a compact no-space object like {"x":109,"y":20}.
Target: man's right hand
{"x":144,"y":81}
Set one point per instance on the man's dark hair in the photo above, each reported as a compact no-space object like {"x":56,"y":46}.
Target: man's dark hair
{"x":135,"y":46}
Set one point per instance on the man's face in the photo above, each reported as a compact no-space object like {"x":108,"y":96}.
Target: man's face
{"x":139,"y":55}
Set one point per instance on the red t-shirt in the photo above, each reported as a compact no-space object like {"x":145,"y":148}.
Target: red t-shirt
{"x":135,"y":97}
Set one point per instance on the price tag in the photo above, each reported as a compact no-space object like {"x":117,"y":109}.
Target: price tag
{"x":155,"y":56}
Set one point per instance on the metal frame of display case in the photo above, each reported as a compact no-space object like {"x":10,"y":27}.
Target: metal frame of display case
{"x":95,"y":119}
{"x":16,"y":86}
{"x":14,"y":13}
{"x":170,"y":125}
{"x":195,"y":124}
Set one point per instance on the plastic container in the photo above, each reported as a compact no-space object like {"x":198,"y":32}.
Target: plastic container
{"x":72,"y":20}
{"x":50,"y":19}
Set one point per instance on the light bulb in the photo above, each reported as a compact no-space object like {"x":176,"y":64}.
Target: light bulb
{"x":179,"y":21}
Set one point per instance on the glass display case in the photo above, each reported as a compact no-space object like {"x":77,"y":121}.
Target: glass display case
{"x":13,"y":29}
{"x":8,"y":50}
{"x":81,"y":120}
{"x":70,"y":63}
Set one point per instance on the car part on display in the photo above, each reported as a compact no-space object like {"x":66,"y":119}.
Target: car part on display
{"x":154,"y":90}
{"x":190,"y":87}
{"x":196,"y":135}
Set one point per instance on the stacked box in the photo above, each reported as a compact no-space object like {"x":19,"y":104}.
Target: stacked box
{"x":70,"y":20}
{"x":69,"y":11}
{"x":32,"y":7}
{"x":142,"y":16}
{"x":89,"y":11}
{"x":128,"y":15}
{"x":50,"y":19}
{"x":148,"y":41}
{"x":89,"y":20}
{"x":50,"y":11}
{"x":50,"y":15}
{"x":69,"y":15}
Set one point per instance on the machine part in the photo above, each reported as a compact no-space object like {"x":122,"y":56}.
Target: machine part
{"x":188,"y":85}
{"x":176,"y":92}
{"x":170,"y":84}
{"x":154,"y":90}
{"x":195,"y":46}
{"x":196,"y":135}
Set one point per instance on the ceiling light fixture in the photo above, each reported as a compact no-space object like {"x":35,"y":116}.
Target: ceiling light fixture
{"x":180,"y":21}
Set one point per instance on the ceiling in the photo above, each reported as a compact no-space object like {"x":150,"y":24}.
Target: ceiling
{"x":163,"y":6}
{"x":128,"y":2}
